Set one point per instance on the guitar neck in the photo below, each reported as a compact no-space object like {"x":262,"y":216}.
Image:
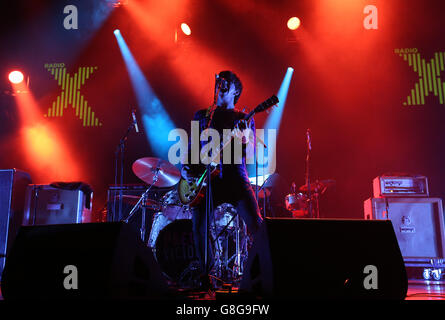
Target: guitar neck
{"x":249,"y":115}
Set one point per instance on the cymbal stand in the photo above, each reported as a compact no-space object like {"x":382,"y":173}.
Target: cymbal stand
{"x":317,"y":200}
{"x":138,"y":205}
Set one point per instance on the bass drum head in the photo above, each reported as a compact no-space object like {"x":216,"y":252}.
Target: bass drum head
{"x":175,"y":249}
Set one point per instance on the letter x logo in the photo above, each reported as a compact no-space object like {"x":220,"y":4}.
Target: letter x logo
{"x":429,"y":77}
{"x":70,"y":94}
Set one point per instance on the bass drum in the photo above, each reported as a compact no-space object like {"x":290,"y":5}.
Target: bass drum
{"x":174,"y":249}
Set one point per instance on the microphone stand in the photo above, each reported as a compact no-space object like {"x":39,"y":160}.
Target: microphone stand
{"x":308,"y":182}
{"x":209,"y":198}
{"x":119,"y":159}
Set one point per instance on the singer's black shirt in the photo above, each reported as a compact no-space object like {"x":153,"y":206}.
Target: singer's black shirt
{"x":223,"y":119}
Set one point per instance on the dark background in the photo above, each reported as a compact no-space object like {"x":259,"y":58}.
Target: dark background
{"x":348,"y":85}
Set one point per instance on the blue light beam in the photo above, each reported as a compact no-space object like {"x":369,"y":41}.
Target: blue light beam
{"x":274,"y":119}
{"x":155,"y":119}
{"x":267,"y":157}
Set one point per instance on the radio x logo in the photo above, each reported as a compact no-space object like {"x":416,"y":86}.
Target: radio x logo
{"x":70,"y":94}
{"x":429,"y":76}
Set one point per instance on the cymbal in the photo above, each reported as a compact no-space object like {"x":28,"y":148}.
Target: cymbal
{"x":146,"y":168}
{"x":318,"y":185}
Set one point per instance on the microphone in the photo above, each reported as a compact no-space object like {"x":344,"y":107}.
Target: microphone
{"x":308,"y":138}
{"x":135,"y":123}
{"x":224,"y":85}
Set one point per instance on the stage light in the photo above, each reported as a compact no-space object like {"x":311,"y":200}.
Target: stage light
{"x":186,"y":29}
{"x":16,"y":77}
{"x":293,"y":23}
{"x":116,"y":32}
{"x":45,"y":150}
{"x":117,"y":3}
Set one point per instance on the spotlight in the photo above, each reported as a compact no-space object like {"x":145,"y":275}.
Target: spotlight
{"x":293,"y":23}
{"x":186,"y":29}
{"x":117,"y":3}
{"x":16,"y":77}
{"x":116,"y":32}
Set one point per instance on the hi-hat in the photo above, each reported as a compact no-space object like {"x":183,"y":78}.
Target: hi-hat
{"x":146,"y":168}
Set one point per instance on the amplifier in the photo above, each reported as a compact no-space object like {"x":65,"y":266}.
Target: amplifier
{"x":46,"y":204}
{"x":400,"y":186}
{"x":418,"y":224}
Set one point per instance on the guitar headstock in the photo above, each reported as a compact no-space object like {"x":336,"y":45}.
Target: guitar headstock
{"x":269,"y":103}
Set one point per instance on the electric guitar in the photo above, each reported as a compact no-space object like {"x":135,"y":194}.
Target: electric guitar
{"x":191,"y":193}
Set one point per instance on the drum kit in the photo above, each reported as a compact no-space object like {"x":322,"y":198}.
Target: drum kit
{"x":298,"y":202}
{"x":171,"y":234}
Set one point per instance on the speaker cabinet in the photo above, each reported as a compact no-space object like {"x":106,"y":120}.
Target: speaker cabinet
{"x":324,"y":258}
{"x":109,"y":259}
{"x":13,"y":184}
{"x":418,"y":225}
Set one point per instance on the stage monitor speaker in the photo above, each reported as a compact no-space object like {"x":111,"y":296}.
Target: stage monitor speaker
{"x":326,"y":259}
{"x":13,"y":185}
{"x":91,"y":260}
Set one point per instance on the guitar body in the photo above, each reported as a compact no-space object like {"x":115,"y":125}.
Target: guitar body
{"x":193,"y":193}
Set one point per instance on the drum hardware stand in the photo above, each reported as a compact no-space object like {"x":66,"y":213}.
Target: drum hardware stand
{"x":209,"y":210}
{"x":223,"y":272}
{"x":317,"y":198}
{"x":119,"y":157}
{"x":143,"y":200}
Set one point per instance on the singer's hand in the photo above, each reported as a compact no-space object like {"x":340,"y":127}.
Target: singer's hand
{"x":185,"y":174}
{"x":239,"y":131}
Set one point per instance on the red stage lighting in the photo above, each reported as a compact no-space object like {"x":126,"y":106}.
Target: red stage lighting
{"x":15,"y":77}
{"x":293,"y":23}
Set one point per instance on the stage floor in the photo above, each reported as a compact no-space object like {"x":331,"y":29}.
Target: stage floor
{"x":426,"y":290}
{"x":417,"y":290}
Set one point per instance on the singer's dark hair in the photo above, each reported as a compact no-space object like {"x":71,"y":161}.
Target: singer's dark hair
{"x":232,"y":78}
